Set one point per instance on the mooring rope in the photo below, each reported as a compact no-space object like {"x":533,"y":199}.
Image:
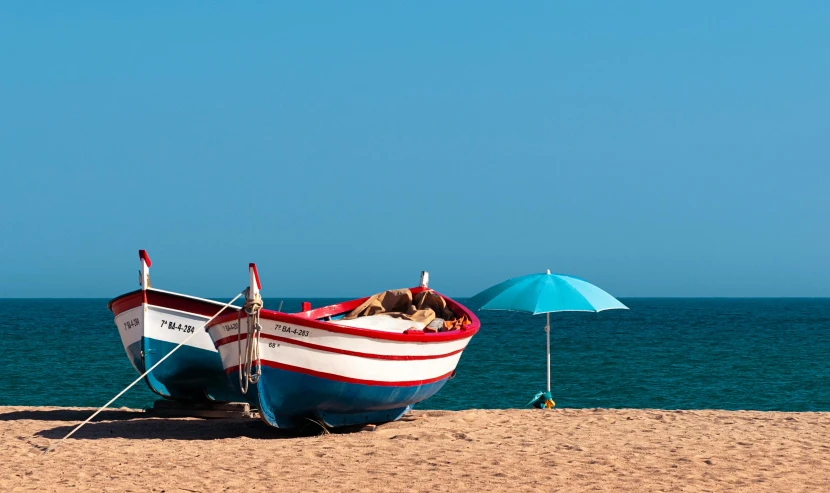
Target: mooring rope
{"x":253,"y":305}
{"x":53,"y":447}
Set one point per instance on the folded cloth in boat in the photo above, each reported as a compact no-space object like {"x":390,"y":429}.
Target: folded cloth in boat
{"x":394,"y":300}
{"x":399,"y":303}
{"x":430,"y":300}
{"x":382,"y":322}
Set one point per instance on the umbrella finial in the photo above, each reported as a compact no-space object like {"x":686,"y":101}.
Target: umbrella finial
{"x":548,"y":271}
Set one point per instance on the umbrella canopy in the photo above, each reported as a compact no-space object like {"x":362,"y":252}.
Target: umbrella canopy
{"x":545,"y":293}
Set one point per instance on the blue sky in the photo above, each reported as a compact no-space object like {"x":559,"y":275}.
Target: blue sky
{"x":653,"y":148}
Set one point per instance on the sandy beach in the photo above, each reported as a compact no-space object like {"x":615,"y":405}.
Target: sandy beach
{"x":492,"y":450}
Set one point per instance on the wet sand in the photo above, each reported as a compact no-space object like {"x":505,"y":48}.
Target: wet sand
{"x":501,"y":450}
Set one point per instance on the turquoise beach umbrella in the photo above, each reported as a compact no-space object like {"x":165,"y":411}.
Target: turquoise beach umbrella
{"x":546,"y":293}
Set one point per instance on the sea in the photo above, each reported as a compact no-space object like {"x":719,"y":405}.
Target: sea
{"x":666,"y":353}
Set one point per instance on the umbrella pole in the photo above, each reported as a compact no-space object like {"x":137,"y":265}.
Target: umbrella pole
{"x":547,"y":332}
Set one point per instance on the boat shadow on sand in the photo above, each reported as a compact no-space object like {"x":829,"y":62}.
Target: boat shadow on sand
{"x":70,"y":415}
{"x":170,"y":429}
{"x":143,"y":427}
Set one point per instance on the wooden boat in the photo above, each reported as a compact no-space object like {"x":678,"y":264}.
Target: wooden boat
{"x":152,"y":322}
{"x":316,"y":365}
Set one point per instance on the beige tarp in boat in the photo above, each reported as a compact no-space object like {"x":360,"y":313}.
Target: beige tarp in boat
{"x":399,"y":303}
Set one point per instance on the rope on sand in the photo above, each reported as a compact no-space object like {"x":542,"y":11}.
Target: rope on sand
{"x":54,"y":446}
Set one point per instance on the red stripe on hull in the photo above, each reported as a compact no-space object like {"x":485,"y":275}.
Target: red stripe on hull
{"x":339,"y":378}
{"x":166,"y":300}
{"x":229,"y":339}
{"x":126,"y":302}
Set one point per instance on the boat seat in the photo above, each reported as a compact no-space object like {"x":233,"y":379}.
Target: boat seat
{"x":381,"y":323}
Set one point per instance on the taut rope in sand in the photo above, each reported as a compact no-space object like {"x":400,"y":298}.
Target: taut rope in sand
{"x":53,"y":447}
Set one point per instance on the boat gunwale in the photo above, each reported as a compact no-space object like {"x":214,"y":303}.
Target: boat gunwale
{"x":142,"y":294}
{"x":305,"y":319}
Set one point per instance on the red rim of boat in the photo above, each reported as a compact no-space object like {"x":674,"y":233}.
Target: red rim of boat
{"x":166,"y":299}
{"x":307,"y":319}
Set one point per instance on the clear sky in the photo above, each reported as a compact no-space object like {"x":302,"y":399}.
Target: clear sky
{"x":653,"y":148}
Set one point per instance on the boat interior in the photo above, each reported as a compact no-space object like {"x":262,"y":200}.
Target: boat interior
{"x":401,"y":311}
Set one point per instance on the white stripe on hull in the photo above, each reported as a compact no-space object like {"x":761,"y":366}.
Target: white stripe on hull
{"x":344,"y":365}
{"x":163,"y":324}
{"x":130,"y":325}
{"x":347,"y":342}
{"x":174,"y":326}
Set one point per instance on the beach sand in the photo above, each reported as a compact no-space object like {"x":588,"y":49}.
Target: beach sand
{"x":476,"y":450}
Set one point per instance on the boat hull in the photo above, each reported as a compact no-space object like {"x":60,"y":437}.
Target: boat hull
{"x":336,"y":374}
{"x":285,"y":396}
{"x":153,"y":323}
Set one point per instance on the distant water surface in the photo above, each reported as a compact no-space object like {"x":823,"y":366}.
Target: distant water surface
{"x":762,"y":354}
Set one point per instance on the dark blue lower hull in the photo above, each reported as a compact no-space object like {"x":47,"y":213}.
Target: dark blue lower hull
{"x":189,"y":374}
{"x":286,"y":398}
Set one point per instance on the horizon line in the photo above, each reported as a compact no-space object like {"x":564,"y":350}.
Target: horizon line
{"x":451,"y":296}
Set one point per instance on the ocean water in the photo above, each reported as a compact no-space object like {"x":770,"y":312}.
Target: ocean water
{"x":761,"y":354}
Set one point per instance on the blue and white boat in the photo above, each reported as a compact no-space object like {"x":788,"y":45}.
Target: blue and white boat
{"x":339,"y":371}
{"x":152,"y":322}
